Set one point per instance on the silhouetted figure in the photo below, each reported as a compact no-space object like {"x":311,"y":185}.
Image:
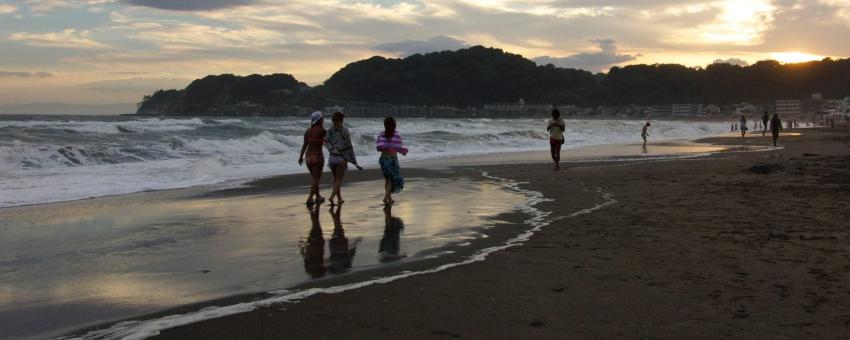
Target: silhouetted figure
{"x":556,"y":127}
{"x":645,"y":133}
{"x":743,"y":125}
{"x":764,"y":120}
{"x":775,"y":127}
{"x":342,"y":253}
{"x":313,"y":247}
{"x":390,"y":247}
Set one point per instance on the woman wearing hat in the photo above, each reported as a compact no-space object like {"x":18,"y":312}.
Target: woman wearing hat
{"x":314,"y":138}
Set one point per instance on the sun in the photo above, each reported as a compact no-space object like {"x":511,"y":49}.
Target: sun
{"x":795,"y":57}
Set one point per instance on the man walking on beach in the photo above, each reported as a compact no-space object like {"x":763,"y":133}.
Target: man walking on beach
{"x":775,"y":127}
{"x":556,"y":129}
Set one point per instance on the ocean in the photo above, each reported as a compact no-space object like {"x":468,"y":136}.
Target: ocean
{"x":60,"y":158}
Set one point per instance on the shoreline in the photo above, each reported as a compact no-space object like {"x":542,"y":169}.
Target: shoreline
{"x":661,"y":262}
{"x":266,"y":184}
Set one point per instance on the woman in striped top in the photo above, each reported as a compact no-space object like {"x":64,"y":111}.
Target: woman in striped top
{"x":389,"y":143}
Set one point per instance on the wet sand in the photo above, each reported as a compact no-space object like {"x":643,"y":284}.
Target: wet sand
{"x":741,"y":244}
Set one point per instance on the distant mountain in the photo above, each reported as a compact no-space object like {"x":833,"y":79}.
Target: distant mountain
{"x":478,"y":75}
{"x":68,"y":109}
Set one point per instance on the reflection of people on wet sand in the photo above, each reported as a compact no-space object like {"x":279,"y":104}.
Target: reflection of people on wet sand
{"x":391,"y":242}
{"x":313,"y":248}
{"x":342,"y":254}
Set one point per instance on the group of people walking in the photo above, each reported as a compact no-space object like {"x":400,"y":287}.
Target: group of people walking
{"x":337,"y":140}
{"x":774,"y":123}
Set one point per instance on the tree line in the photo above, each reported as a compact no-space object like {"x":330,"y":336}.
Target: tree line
{"x":478,"y":75}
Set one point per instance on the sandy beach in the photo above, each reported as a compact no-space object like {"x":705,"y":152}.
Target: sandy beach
{"x":742,"y":245}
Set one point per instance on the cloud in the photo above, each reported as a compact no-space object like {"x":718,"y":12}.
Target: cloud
{"x":594,"y":61}
{"x":136,"y":85}
{"x":69,"y":38}
{"x":732,"y":61}
{"x":434,"y":44}
{"x":25,"y":74}
{"x":6,"y":9}
{"x":190,"y":5}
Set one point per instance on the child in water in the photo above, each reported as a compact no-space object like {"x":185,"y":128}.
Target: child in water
{"x":644,"y":133}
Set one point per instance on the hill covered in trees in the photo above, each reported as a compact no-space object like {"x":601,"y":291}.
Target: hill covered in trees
{"x":478,"y":76}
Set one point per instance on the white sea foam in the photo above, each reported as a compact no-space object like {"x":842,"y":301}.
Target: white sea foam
{"x":59,"y":160}
{"x":538,"y":219}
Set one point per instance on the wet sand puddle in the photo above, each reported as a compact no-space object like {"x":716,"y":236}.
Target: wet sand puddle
{"x":69,"y":265}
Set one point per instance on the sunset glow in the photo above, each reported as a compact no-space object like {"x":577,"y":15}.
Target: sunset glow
{"x":795,"y":57}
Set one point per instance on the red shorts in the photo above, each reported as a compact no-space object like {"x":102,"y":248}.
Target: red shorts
{"x":555,"y":142}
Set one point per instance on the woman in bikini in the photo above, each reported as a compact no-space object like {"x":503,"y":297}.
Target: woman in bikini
{"x":390,"y":144}
{"x":341,"y":152}
{"x":314,"y":138}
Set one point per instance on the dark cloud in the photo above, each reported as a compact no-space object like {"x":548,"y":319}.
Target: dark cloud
{"x":596,"y":61}
{"x":732,"y":61}
{"x":434,"y":44}
{"x":190,"y":5}
{"x":24,"y":74}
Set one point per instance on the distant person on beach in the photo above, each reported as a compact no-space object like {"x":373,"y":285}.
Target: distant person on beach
{"x":736,"y":127}
{"x":765,"y":118}
{"x":556,"y":127}
{"x":341,"y":152}
{"x":645,"y":133}
{"x":390,"y":144}
{"x":314,"y":138}
{"x":731,"y":127}
{"x":775,"y":127}
{"x":743,"y":126}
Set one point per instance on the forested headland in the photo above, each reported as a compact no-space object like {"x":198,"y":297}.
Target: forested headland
{"x":479,"y":76}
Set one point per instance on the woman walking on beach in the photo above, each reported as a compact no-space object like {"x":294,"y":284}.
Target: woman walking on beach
{"x":556,"y":129}
{"x":314,"y":137}
{"x":389,"y":143}
{"x":644,"y":133}
{"x":775,"y":127}
{"x":341,"y":152}
{"x":743,"y":125}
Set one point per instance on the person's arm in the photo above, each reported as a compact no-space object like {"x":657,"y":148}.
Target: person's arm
{"x":303,"y":149}
{"x":562,"y":125}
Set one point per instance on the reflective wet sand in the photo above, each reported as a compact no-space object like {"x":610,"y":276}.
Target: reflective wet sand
{"x":66,"y":265}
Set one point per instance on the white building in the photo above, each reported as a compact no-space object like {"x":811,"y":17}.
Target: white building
{"x":789,"y":107}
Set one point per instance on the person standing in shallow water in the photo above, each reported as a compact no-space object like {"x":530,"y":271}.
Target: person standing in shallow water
{"x":743,"y":125}
{"x":556,"y":129}
{"x":390,"y":144}
{"x":314,"y":138}
{"x":645,"y":133}
{"x":341,"y":152}
{"x":775,"y":127}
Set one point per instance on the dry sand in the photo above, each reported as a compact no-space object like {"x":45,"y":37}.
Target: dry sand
{"x":742,"y":245}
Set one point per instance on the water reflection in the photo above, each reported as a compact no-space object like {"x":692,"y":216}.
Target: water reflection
{"x":390,"y":248}
{"x":313,"y":248}
{"x":342,"y":254}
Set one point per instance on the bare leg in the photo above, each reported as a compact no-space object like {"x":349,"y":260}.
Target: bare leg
{"x":339,"y":174}
{"x":316,"y":172}
{"x":388,"y":197}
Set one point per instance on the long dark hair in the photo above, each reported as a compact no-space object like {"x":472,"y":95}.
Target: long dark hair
{"x":389,"y":127}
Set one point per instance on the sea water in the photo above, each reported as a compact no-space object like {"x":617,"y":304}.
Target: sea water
{"x":60,"y":158}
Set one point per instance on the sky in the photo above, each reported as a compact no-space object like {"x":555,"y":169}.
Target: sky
{"x":110,"y":51}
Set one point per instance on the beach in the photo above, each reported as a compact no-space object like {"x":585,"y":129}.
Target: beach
{"x":742,"y":245}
